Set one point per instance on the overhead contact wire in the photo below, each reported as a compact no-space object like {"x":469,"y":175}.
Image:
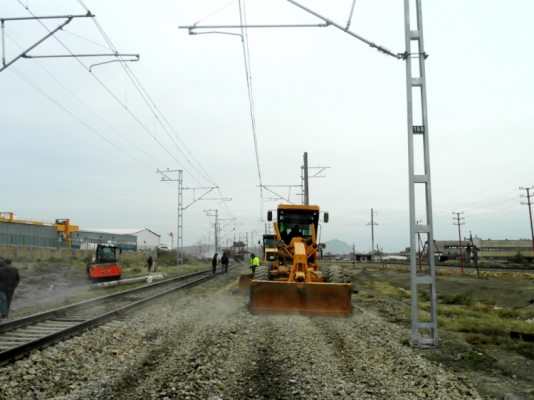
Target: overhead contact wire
{"x":86,"y":106}
{"x":246,"y":56}
{"x":104,"y":86}
{"x":21,"y":76}
{"x":144,"y":93}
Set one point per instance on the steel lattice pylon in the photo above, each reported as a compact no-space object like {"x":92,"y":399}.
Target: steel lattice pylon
{"x":416,"y":88}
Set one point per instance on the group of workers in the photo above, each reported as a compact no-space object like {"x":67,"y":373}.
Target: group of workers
{"x":224,"y":262}
{"x":254,"y":260}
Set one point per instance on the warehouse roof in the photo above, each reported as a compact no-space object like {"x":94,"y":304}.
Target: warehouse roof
{"x":123,"y":231}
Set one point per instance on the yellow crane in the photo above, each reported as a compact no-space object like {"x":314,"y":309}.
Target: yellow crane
{"x":63,"y":226}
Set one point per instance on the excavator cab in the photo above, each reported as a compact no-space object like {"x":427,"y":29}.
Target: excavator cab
{"x":105,"y":262}
{"x":294,"y":283}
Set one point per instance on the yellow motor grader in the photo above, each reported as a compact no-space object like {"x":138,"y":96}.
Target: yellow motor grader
{"x":294,"y":283}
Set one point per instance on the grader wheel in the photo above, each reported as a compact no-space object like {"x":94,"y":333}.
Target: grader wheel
{"x":336,"y":274}
{"x":262,"y":273}
{"x":326,"y":273}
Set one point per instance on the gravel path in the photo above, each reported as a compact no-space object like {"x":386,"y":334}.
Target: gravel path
{"x":204,"y":344}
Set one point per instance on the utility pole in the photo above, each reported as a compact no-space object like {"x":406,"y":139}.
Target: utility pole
{"x":306,"y":187}
{"x":216,"y":227}
{"x":457,"y":218}
{"x":529,"y":211}
{"x":353,"y":255}
{"x":305,"y":179}
{"x":474,"y":249}
{"x":179,"y":233}
{"x":372,"y":223}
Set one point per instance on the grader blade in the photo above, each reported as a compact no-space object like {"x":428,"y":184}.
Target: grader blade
{"x":289,"y":298}
{"x":244,"y":281}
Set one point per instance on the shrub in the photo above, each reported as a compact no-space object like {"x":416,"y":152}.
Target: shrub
{"x":461,"y":299}
{"x":32,"y":281}
{"x":424,"y":295}
{"x":478,"y":339}
{"x":518,"y":258}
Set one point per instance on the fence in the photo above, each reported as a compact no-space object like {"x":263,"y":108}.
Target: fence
{"x":24,"y":240}
{"x":38,"y":253}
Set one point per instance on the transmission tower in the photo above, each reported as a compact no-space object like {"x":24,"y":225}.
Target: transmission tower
{"x":457,"y":220}
{"x":529,"y":211}
{"x":372,"y":223}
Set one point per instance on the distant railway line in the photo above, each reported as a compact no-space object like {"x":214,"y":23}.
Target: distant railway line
{"x":23,"y":335}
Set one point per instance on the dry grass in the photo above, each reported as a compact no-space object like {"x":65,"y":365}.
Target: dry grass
{"x":483,"y":324}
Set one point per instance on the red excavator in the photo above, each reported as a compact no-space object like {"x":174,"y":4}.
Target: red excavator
{"x":104,"y":264}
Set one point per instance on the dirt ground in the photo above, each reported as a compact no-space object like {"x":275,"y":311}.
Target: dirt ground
{"x":498,"y":373}
{"x":495,"y":372}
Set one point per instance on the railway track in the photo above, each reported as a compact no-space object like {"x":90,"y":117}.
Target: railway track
{"x":23,"y":335}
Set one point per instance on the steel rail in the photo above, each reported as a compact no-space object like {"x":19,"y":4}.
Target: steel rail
{"x":20,"y":351}
{"x":57,"y":312}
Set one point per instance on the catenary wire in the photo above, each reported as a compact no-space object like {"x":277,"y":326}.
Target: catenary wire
{"x":109,"y":91}
{"x":144,"y":93}
{"x":246,"y":56}
{"x":85,"y":105}
{"x":215,"y":12}
{"x":123,"y":105}
{"x":29,"y":82}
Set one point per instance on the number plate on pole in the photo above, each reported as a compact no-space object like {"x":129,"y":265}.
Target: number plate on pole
{"x":418,"y":129}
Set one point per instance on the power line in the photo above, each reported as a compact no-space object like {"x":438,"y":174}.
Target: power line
{"x":246,"y":56}
{"x":85,"y":105}
{"x":137,"y":85}
{"x":528,"y":196}
{"x":21,"y":76}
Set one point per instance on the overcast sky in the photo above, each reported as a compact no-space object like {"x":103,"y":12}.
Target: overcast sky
{"x":86,"y":145}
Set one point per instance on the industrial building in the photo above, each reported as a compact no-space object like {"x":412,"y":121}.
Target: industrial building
{"x":28,"y":235}
{"x":485,"y":248}
{"x":88,"y":239}
{"x":146,"y":239}
{"x":61,"y":234}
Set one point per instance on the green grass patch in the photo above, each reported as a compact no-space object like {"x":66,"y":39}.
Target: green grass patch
{"x":460,"y":299}
{"x":387,"y":289}
{"x":476,"y":357}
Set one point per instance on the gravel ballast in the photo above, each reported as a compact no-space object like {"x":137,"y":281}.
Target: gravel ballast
{"x":203,"y":344}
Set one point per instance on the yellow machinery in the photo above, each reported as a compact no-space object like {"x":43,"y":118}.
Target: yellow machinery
{"x":63,"y":226}
{"x":294,"y":283}
{"x":269,"y":248}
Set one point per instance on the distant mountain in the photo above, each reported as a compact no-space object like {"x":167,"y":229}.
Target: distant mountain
{"x":337,"y":247}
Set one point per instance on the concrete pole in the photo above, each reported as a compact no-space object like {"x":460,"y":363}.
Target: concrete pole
{"x":306,"y":185}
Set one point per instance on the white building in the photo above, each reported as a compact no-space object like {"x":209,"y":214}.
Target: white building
{"x":146,"y":239}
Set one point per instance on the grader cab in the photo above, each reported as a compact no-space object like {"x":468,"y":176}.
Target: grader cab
{"x":294,"y":283}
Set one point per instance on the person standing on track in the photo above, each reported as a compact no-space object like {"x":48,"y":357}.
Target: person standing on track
{"x":9,"y":280}
{"x":214,"y":263}
{"x":224,"y":262}
{"x":150,"y":263}
{"x":254,"y":262}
